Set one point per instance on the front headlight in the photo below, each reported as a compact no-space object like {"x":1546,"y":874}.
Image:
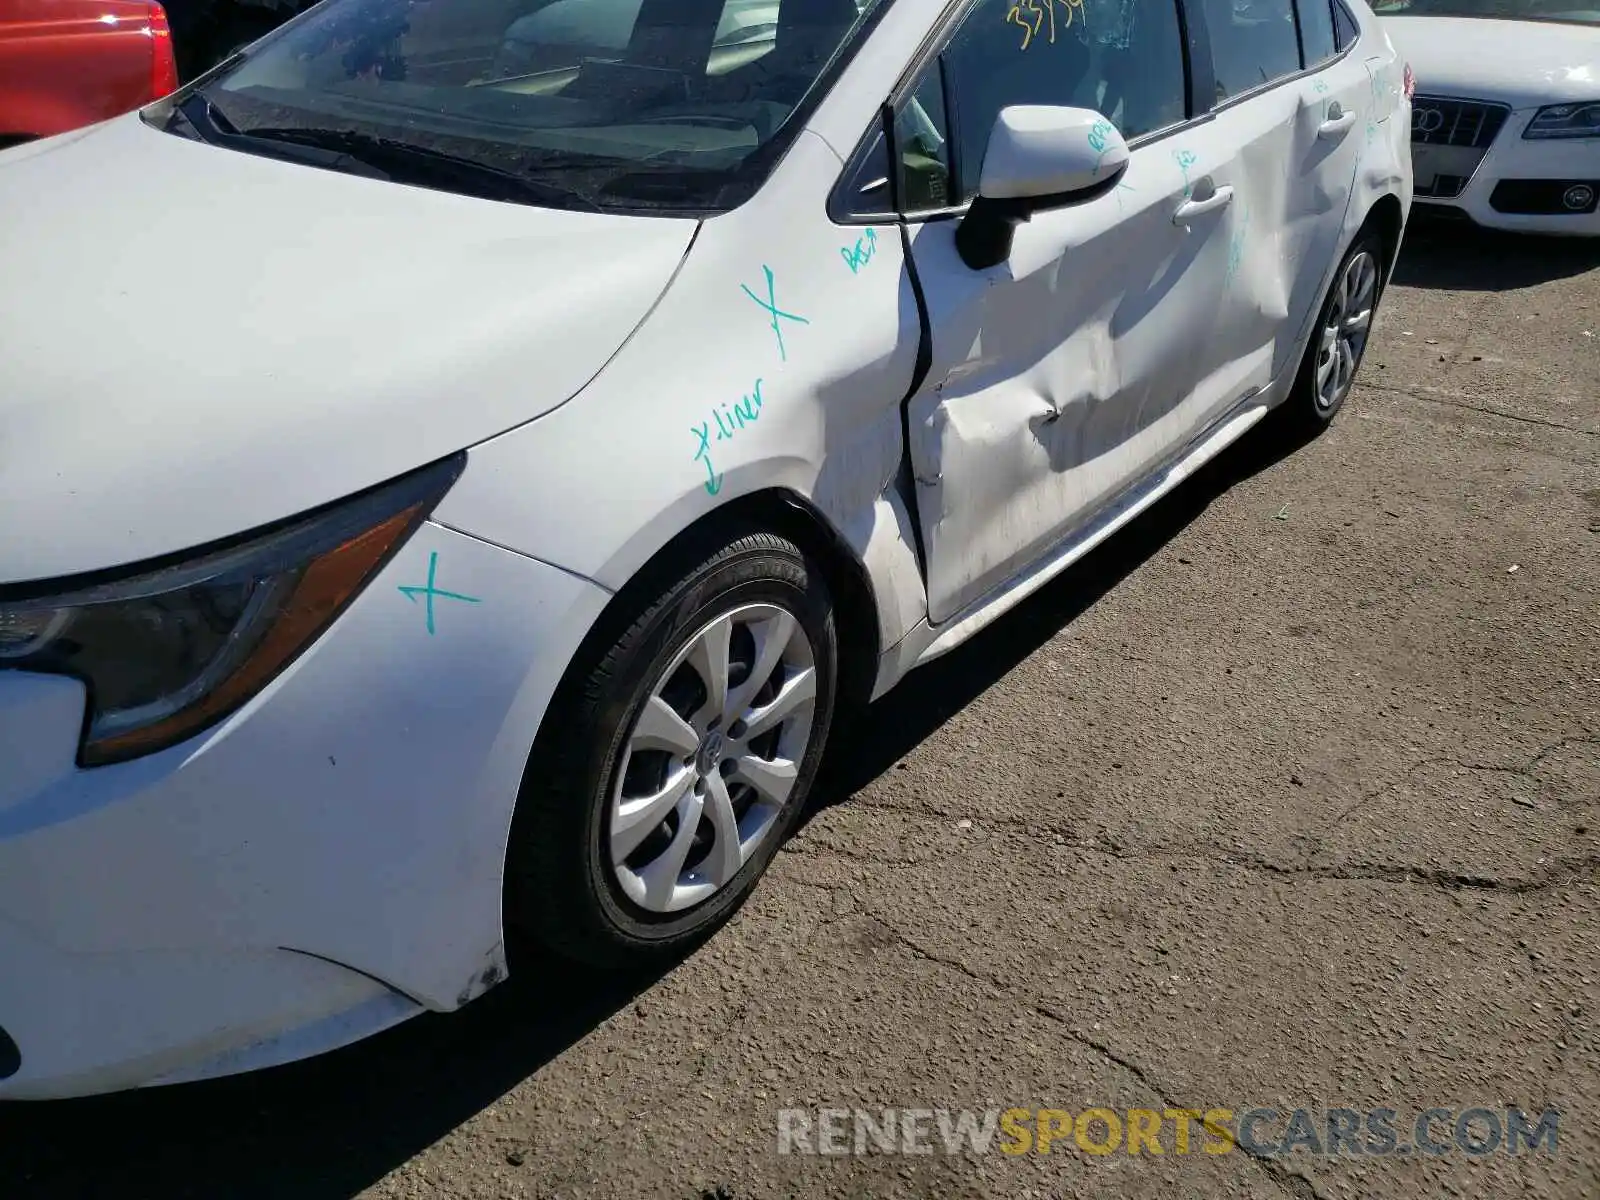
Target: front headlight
{"x":1565,"y":121}
{"x":174,"y":648}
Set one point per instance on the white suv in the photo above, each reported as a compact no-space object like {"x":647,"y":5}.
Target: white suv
{"x":461,"y":456}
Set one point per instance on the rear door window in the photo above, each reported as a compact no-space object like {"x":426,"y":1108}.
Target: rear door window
{"x":1317,"y":37}
{"x":1253,"y":43}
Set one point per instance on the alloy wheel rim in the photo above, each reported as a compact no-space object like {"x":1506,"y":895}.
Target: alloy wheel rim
{"x":712,"y":757}
{"x":1345,"y":330}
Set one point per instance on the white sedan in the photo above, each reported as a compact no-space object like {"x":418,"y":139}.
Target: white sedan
{"x":460,"y":459}
{"x":1505,"y":128}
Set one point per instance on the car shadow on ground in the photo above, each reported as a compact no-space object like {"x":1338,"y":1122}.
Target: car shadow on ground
{"x":332,"y":1126}
{"x":325,"y":1128}
{"x":907,"y":716}
{"x":1455,"y":255}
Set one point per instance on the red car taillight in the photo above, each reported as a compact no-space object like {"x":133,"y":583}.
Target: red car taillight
{"x":163,"y":66}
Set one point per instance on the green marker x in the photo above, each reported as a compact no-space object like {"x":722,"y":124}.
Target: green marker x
{"x":411,"y":593}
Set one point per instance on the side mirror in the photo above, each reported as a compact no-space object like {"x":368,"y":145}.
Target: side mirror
{"x":1038,"y":157}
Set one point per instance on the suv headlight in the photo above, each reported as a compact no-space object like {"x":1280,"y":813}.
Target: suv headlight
{"x":1565,"y":121}
{"x":174,"y":647}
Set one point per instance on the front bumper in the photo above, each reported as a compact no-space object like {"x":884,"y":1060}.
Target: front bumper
{"x":1518,"y":184}
{"x":324,"y":863}
{"x":81,"y":1023}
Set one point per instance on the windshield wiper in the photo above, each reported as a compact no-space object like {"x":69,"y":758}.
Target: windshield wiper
{"x":208,"y":123}
{"x":377,"y":157}
{"x":410,"y":163}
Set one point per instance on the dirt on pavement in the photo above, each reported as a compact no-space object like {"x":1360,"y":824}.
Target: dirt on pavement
{"x":1289,"y":797}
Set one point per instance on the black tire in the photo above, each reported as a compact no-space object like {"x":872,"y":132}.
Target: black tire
{"x":561,"y":887}
{"x":1308,"y":411}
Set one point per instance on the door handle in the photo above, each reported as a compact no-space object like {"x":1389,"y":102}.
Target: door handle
{"x":1190,"y":209}
{"x":1340,"y":120}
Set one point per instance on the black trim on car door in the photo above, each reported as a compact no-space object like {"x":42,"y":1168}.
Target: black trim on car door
{"x":1197,"y":59}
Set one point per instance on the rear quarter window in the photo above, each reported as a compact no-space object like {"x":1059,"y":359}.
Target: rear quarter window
{"x":1345,"y":29}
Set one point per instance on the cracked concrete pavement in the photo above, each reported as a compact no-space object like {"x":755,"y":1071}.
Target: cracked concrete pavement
{"x":1289,"y":797}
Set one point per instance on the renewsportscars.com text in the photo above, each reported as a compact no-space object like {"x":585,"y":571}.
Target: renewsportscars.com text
{"x":1261,"y":1132}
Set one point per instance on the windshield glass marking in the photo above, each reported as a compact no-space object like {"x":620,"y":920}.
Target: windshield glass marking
{"x":1020,"y":12}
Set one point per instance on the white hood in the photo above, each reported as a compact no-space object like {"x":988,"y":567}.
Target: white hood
{"x":1521,"y":63}
{"x":195,"y":341}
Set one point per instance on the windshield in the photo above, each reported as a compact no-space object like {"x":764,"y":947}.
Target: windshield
{"x":681,"y":105}
{"x":1576,"y":11}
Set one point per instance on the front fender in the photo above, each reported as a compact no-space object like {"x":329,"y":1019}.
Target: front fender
{"x":777,"y":358}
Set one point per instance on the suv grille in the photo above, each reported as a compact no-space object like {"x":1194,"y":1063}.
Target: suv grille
{"x":1441,"y":121}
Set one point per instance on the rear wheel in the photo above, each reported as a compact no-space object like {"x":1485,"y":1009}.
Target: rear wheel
{"x":677,"y":763}
{"x":1339,"y":341}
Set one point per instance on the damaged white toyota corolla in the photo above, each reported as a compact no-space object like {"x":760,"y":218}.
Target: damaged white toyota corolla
{"x":457,"y":459}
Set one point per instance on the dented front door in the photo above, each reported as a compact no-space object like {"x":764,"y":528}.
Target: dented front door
{"x":1062,"y":375}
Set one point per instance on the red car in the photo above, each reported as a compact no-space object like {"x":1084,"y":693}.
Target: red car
{"x":66,"y":63}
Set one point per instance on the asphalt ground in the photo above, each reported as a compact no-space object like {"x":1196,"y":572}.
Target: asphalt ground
{"x":1287,"y":798}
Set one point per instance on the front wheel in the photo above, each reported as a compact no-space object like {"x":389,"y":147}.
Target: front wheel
{"x":676,"y":764}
